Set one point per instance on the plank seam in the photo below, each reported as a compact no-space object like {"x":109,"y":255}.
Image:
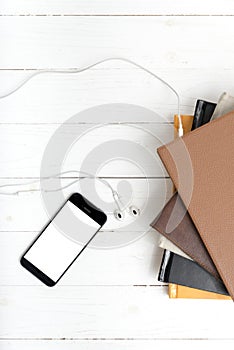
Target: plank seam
{"x":118,"y":15}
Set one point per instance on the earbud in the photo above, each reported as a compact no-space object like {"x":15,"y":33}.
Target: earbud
{"x":134,"y":211}
{"x":119,"y":215}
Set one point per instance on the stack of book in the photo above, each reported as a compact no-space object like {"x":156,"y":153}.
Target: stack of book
{"x":196,"y":225}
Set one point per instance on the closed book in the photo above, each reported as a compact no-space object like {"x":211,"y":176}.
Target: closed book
{"x":175,"y":224}
{"x":164,"y":243}
{"x":225,"y":105}
{"x":182,"y":292}
{"x":203,"y":113}
{"x":179,"y":270}
{"x":187,"y":122}
{"x":204,"y":180}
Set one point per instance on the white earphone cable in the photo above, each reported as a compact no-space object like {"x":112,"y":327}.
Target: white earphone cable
{"x":86,"y":175}
{"x":80,"y":70}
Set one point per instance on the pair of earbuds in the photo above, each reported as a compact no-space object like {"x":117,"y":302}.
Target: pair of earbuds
{"x":119,"y":214}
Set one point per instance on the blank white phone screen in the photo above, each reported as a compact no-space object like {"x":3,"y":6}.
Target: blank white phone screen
{"x":53,"y":252}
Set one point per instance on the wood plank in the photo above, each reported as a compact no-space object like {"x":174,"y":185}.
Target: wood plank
{"x":93,"y":148}
{"x":110,"y":312}
{"x":51,"y":98}
{"x":116,"y":344}
{"x":62,"y":41}
{"x":120,"y":7}
{"x":135,"y":264}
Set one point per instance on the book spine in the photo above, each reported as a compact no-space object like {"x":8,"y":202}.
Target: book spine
{"x":173,"y":290}
{"x":165,"y":267}
{"x":203,"y":113}
{"x":198,"y":114}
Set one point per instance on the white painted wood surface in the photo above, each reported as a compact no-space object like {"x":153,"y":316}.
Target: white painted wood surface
{"x":57,"y":42}
{"x":120,"y":7}
{"x":111,"y":298}
{"x":109,"y":312}
{"x":113,"y":344}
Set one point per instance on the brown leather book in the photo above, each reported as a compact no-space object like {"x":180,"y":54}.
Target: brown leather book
{"x":183,"y":233}
{"x":204,"y":181}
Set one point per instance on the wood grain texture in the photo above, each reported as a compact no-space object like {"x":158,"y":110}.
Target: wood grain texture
{"x":26,"y":145}
{"x":117,"y":7}
{"x":109,"y":312}
{"x":168,"y":42}
{"x":114,"y":344}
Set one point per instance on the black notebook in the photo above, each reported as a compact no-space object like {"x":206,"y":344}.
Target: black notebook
{"x":203,"y":113}
{"x":179,"y":270}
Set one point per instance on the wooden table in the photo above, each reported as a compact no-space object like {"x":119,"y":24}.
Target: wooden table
{"x":111,"y":298}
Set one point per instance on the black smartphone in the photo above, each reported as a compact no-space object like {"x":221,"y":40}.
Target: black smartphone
{"x":53,"y":252}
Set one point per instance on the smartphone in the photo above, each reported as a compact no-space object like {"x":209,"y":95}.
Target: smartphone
{"x":53,"y":252}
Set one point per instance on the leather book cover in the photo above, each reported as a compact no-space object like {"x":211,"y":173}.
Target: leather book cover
{"x":176,"y":290}
{"x":179,"y":270}
{"x":183,"y":233}
{"x":204,"y":180}
{"x":182,"y":292}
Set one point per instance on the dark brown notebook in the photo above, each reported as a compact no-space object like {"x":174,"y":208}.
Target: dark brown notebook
{"x":175,"y":223}
{"x":204,"y":181}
